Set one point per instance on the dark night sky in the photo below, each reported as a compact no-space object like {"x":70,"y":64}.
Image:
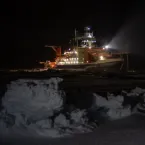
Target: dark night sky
{"x":27,"y":27}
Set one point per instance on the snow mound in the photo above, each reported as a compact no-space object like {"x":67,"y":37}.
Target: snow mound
{"x":138,"y":90}
{"x":135,"y":92}
{"x":29,"y":98}
{"x":111,"y":102}
{"x":29,"y":103}
{"x":119,"y":112}
{"x":61,"y":121}
{"x":114,"y":105}
{"x":44,"y":124}
{"x":78,"y":116}
{"x":79,"y":122}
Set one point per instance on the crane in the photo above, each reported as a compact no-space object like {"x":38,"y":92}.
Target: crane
{"x":57,"y":49}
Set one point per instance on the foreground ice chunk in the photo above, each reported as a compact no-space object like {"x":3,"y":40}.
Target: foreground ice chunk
{"x":136,"y":92}
{"x":114,"y":105}
{"x":29,"y":104}
{"x":112,"y":102}
{"x":119,"y":113}
{"x":61,"y":121}
{"x":78,"y":116}
{"x":34,"y":99}
{"x":44,"y":124}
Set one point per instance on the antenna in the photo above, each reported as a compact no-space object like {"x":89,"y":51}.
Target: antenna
{"x":76,"y":37}
{"x":75,"y":34}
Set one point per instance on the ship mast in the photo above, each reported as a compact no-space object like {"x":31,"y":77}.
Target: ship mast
{"x":76,"y":40}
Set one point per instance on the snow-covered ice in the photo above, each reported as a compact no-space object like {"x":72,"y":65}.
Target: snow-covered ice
{"x":28,"y":97}
{"x":32,"y":102}
{"x":126,"y":131}
{"x":79,"y":116}
{"x":114,"y":104}
{"x":135,"y":92}
{"x":110,"y":102}
{"x":61,"y":121}
{"x":44,"y":124}
{"x":119,"y":112}
{"x":34,"y":107}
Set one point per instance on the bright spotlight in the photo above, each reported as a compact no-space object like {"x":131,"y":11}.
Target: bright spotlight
{"x":107,"y":46}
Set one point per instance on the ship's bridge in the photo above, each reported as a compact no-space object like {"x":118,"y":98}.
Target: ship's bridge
{"x":87,"y":40}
